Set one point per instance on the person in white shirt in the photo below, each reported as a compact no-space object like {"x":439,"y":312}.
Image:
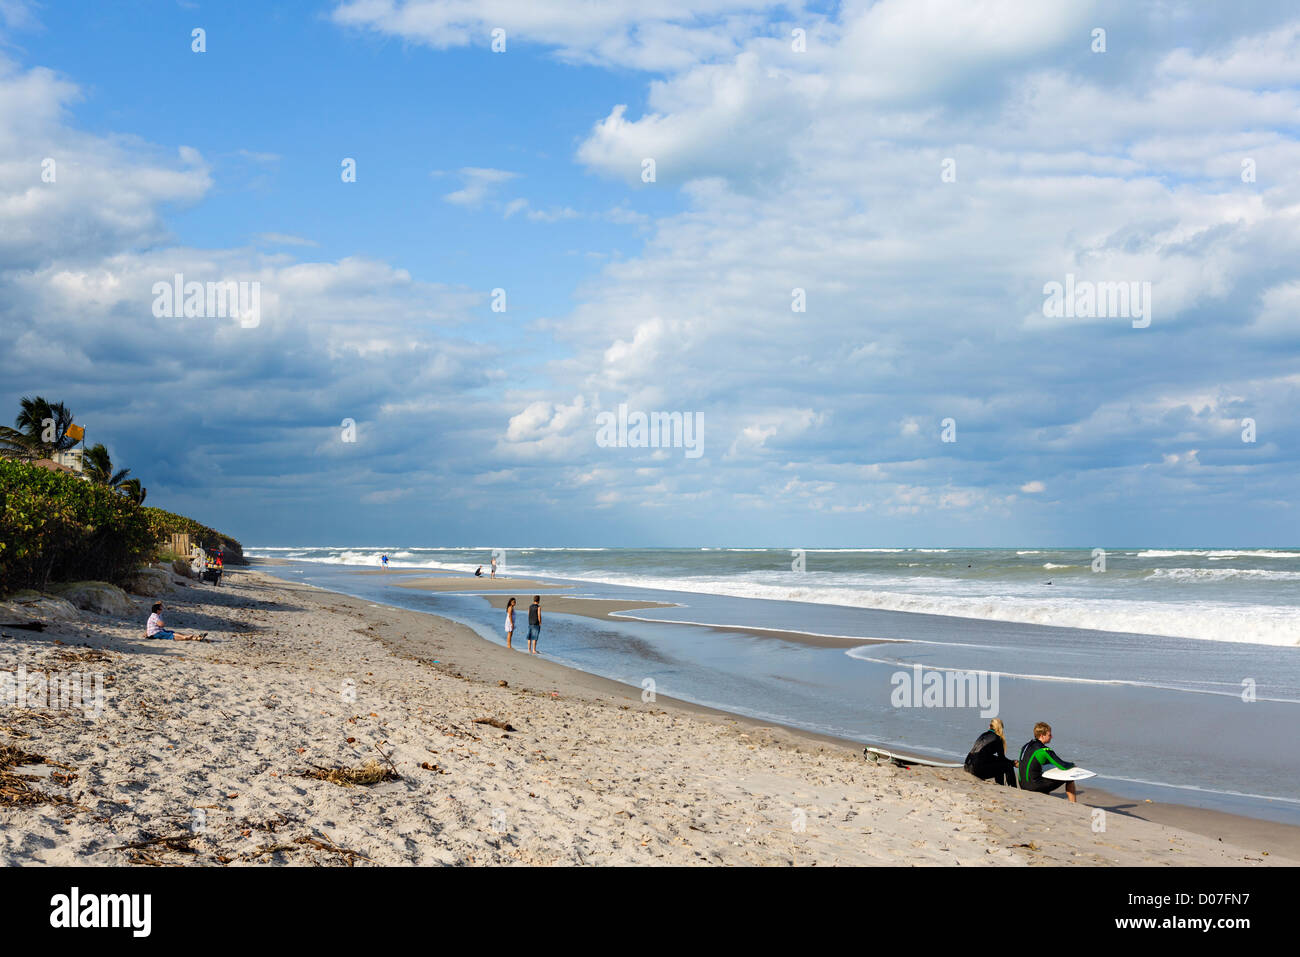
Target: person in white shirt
{"x":156,"y":629}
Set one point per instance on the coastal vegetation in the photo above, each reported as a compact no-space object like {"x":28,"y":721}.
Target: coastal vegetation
{"x":57,"y":525}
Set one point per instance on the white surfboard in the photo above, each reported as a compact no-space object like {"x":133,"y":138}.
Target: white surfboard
{"x":1074,"y":774}
{"x":903,"y":760}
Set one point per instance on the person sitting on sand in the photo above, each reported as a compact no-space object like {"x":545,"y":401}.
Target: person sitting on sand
{"x":988,"y":756}
{"x":156,"y":629}
{"x":534,"y":624}
{"x":510,"y":621}
{"x":1035,"y":756}
{"x":478,"y":572}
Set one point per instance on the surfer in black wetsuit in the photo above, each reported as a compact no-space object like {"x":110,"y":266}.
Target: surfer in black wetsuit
{"x":988,"y":756}
{"x":1035,"y":757}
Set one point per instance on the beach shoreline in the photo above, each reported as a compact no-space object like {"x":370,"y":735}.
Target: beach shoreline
{"x":589,"y":773}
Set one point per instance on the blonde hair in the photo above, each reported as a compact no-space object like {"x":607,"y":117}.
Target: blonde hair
{"x":1041,"y":729}
{"x":996,"y":727}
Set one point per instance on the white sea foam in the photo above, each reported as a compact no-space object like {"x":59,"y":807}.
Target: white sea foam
{"x":869,"y":652}
{"x":1217,"y":553}
{"x":1223,"y":574}
{"x":1211,"y":621}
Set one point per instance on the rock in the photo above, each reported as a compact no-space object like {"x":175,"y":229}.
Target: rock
{"x":98,"y":597}
{"x":25,"y":604}
{"x":181,"y":566}
{"x":150,"y":582}
{"x":181,"y":580}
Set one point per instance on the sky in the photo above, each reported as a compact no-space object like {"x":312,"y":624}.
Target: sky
{"x":825,"y":234}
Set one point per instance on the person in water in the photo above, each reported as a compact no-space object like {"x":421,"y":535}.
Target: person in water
{"x":1036,"y":757}
{"x":510,"y":621}
{"x":534,"y":623}
{"x":988,"y":756}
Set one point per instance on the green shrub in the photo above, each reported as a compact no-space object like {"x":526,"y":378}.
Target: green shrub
{"x":57,"y":527}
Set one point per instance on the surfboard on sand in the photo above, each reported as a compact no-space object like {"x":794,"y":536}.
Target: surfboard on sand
{"x":1074,"y":774}
{"x":904,"y":760}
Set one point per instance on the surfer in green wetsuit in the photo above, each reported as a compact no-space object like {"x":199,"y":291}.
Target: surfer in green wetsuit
{"x":1035,"y":757}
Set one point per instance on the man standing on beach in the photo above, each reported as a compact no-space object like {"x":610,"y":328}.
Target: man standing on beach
{"x":534,"y":623}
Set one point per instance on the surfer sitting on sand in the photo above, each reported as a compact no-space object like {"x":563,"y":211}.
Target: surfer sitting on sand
{"x":1035,"y":757}
{"x":988,"y":756}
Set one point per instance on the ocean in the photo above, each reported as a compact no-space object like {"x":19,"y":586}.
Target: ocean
{"x":1172,"y":672}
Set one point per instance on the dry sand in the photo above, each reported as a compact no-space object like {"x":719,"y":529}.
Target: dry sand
{"x":206,"y":744}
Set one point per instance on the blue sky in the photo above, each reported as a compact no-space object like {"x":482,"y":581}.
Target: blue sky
{"x":778,"y":168}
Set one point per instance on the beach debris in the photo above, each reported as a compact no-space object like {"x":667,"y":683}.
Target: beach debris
{"x":90,"y":654}
{"x":496,"y":723}
{"x":15,"y":787}
{"x":298,"y":843}
{"x":179,"y":842}
{"x":24,"y":626}
{"x":372,"y":772}
{"x":431,"y":767}
{"x":503,"y":683}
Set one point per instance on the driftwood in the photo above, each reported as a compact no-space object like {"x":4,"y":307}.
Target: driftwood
{"x":496,"y":723}
{"x":28,"y":626}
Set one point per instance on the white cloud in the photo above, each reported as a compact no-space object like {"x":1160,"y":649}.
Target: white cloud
{"x":478,"y":183}
{"x":667,"y":35}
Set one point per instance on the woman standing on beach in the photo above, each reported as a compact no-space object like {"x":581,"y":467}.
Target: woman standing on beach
{"x":510,"y":621}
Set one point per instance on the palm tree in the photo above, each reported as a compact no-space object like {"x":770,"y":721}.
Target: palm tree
{"x":134,"y":490}
{"x":33,"y":438}
{"x":99,"y":467}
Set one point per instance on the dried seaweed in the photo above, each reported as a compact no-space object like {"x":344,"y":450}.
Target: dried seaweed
{"x":372,"y":772}
{"x":16,"y":789}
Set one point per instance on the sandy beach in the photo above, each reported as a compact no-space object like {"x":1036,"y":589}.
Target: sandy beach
{"x":204,"y":754}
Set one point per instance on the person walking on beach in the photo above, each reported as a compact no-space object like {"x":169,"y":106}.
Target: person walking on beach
{"x":156,"y":629}
{"x":988,"y":756}
{"x":510,"y":621}
{"x":534,"y":624}
{"x":383,"y":560}
{"x":1035,"y":757}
